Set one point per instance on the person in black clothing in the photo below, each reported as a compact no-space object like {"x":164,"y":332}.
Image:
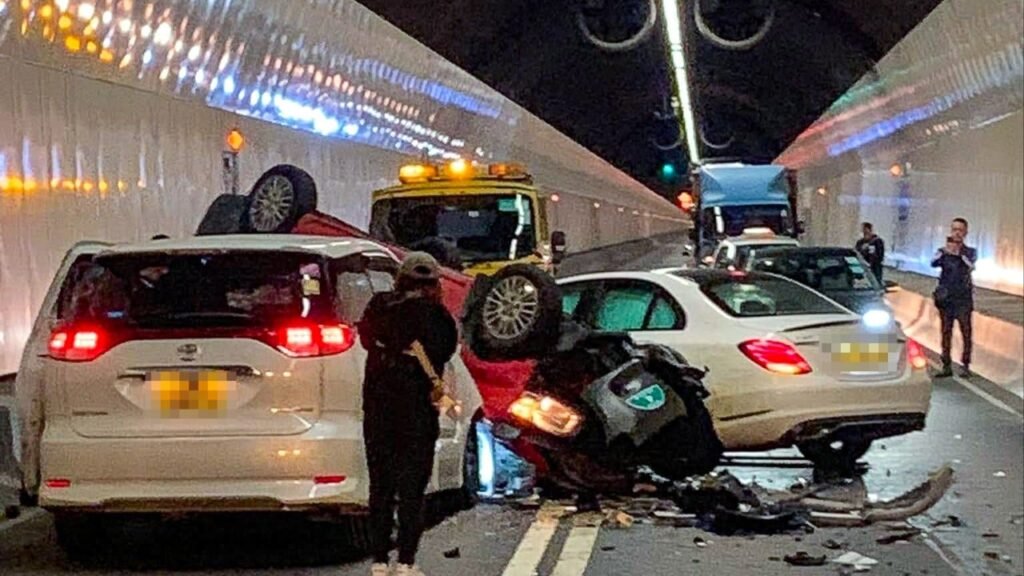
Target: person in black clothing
{"x":872,"y":248}
{"x":954,"y":296}
{"x":400,"y":420}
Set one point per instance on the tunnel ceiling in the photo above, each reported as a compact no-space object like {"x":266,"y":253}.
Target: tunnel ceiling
{"x":749,"y":104}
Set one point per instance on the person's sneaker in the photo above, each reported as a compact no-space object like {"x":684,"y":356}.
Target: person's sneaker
{"x":946,"y":372}
{"x":965,"y":372}
{"x":380,"y":570}
{"x":407,"y":570}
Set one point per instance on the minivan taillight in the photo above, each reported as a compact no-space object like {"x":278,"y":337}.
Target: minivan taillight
{"x":776,"y":356}
{"x":78,"y":344}
{"x":306,"y":340}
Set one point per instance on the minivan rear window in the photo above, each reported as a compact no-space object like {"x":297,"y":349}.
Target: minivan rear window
{"x":761,"y":296}
{"x":200,"y":289}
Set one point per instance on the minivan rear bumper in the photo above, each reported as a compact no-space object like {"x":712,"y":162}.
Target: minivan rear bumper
{"x":249,"y":473}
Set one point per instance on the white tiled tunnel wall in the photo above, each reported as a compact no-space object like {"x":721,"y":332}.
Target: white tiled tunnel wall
{"x":117,"y":133}
{"x":935,"y":132}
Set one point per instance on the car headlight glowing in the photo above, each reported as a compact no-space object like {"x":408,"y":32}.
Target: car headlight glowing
{"x":546,"y":414}
{"x":877,"y":318}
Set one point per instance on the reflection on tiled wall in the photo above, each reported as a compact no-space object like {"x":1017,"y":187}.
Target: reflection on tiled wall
{"x":114,"y":112}
{"x":935,"y":132}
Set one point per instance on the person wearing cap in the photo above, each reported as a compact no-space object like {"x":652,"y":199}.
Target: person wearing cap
{"x":400,"y":425}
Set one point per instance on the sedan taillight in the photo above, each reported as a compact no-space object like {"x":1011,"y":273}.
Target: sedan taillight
{"x":776,"y":356}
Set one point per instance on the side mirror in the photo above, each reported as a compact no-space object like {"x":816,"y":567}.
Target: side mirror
{"x":558,"y":247}
{"x":891,"y":286}
{"x":801,"y":227}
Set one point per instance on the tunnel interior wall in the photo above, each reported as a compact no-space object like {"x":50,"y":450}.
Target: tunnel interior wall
{"x":933,"y":133}
{"x":113,"y":119}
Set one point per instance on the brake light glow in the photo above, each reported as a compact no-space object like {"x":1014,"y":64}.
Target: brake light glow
{"x":330,"y":479}
{"x":77,"y":345}
{"x":311,"y":340}
{"x":58,"y":483}
{"x":776,"y":356}
{"x":916,"y":356}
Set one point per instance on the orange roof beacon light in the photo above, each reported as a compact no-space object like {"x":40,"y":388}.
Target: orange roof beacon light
{"x":416,"y":173}
{"x":235,"y":140}
{"x":460,"y":169}
{"x":507,"y":170}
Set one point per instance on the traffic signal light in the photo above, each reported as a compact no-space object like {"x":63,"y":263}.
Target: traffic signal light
{"x":668,"y":171}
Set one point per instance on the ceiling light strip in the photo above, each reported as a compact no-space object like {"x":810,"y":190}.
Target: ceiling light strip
{"x":674,"y":30}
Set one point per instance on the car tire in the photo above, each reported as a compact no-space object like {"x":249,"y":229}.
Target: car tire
{"x":80,"y":535}
{"x":27,"y":499}
{"x":277,"y":201}
{"x":515,"y":314}
{"x":224,"y":216}
{"x":825,"y":456}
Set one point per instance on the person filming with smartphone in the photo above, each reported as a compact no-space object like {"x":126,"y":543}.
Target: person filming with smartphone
{"x":954,"y":296}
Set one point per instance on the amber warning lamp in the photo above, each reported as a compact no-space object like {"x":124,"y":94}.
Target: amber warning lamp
{"x":235,"y":140}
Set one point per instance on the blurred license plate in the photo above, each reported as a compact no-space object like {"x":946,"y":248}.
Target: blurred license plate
{"x":190,"y":391}
{"x":861,"y":353}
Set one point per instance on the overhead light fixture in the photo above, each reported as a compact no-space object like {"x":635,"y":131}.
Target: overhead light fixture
{"x":674,"y":30}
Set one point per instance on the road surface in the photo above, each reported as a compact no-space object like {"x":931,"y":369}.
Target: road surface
{"x":984,"y":442}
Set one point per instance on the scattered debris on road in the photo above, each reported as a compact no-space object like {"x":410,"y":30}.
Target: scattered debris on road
{"x":802,"y":558}
{"x":905,"y":536}
{"x":10,"y":512}
{"x":858,"y":562}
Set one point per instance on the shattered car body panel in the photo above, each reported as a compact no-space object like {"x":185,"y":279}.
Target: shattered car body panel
{"x":502,"y":382}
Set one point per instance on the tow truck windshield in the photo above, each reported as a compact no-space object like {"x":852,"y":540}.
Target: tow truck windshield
{"x":482,"y":227}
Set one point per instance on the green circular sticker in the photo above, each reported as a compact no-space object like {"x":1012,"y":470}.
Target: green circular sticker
{"x":648,"y":399}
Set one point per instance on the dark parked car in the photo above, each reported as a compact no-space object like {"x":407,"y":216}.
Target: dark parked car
{"x":839,"y":273}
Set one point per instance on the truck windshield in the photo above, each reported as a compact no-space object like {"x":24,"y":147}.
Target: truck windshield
{"x":483,"y":228}
{"x":733,"y":220}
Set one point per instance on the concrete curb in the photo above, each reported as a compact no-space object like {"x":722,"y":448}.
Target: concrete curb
{"x":998,"y":344}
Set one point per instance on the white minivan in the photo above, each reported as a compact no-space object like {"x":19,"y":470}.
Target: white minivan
{"x":217,"y":373}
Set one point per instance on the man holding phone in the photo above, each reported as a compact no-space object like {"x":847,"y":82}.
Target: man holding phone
{"x":954,"y":296}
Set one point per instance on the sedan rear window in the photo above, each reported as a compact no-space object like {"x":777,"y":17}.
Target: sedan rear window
{"x":745,"y":296}
{"x":238,"y":288}
{"x":831,"y":271}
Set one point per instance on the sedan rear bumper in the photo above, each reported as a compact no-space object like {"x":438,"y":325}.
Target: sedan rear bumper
{"x":862,"y":427}
{"x":780,"y":416}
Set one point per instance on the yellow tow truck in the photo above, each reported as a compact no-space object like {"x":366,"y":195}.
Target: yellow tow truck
{"x":479,"y":217}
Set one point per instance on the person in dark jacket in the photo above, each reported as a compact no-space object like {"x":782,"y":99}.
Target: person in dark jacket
{"x":872,"y":249}
{"x":400,"y":420}
{"x":954,"y":296}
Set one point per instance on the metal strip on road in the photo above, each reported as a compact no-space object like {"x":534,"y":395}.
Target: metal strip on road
{"x":576,"y":552}
{"x":535,"y":543}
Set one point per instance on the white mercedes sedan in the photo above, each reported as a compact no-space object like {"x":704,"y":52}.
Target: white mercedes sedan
{"x":788,"y":366}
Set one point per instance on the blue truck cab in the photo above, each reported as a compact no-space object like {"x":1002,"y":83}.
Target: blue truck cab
{"x":729,"y":198}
